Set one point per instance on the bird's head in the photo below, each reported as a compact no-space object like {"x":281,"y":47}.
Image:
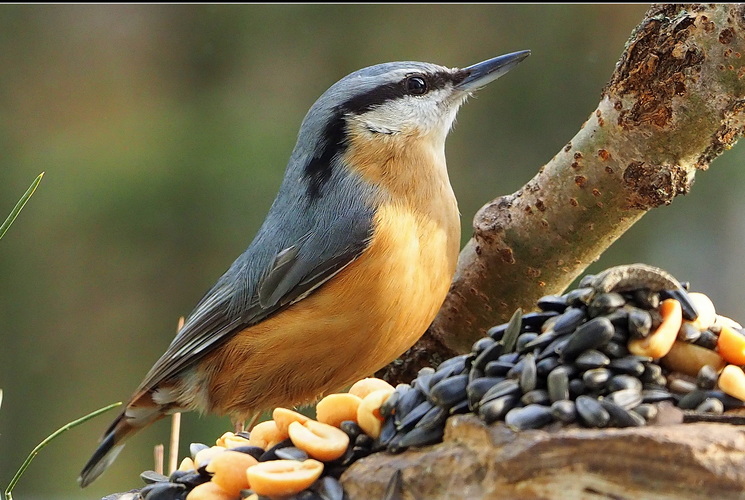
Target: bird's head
{"x":389,"y":106}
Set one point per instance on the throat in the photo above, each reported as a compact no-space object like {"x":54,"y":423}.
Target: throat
{"x":407,"y":168}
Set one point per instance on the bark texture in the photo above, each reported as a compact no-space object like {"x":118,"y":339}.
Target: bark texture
{"x":475,"y":461}
{"x":674,"y":103}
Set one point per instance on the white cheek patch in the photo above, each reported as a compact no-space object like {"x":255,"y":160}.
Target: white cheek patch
{"x":433,"y":112}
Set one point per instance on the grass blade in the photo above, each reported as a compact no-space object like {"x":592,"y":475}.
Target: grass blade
{"x":19,"y":206}
{"x":35,"y":451}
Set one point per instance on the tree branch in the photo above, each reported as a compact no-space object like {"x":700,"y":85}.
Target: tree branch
{"x":672,"y":105}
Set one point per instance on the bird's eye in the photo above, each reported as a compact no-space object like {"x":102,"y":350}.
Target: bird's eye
{"x":416,"y":85}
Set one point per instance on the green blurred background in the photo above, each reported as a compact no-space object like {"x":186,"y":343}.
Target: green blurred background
{"x":164,"y":131}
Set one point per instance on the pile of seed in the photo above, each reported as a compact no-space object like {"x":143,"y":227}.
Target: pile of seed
{"x":610,"y":353}
{"x":290,"y":457}
{"x":606,"y":354}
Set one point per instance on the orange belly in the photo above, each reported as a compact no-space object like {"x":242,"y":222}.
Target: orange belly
{"x":356,"y":323}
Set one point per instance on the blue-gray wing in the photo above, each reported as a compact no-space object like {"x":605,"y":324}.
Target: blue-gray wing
{"x":274,"y":272}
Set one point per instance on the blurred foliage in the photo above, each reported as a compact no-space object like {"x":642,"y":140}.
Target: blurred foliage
{"x":164,"y":131}
{"x":27,"y":463}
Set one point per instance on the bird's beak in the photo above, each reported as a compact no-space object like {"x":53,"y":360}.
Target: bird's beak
{"x":487,"y":71}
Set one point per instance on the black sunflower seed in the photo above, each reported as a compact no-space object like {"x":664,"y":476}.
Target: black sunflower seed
{"x":564,"y":410}
{"x":513,"y":330}
{"x":351,"y":429}
{"x":707,"y":339}
{"x":596,"y":378}
{"x":406,"y":403}
{"x":652,"y":374}
{"x":271,"y":453}
{"x":254,"y":451}
{"x":579,"y":296}
{"x":387,"y":432}
{"x":389,"y":405}
{"x":536,"y":396}
{"x":640,"y":323}
{"x":689,"y":310}
{"x":190,"y":479}
{"x":503,"y":388}
{"x":524,"y":340}
{"x":457,"y":364}
{"x":151,"y":477}
{"x":534,"y":320}
{"x":647,"y":298}
{"x":681,"y":386}
{"x":630,"y":365}
{"x":620,"y":416}
{"x":595,"y":333}
{"x":688,"y":333}
{"x":711,"y":405}
{"x":542,"y":340}
{"x":328,"y":488}
{"x":462,"y":407}
{"x":477,"y":388}
{"x":656,"y":396}
{"x":496,"y":332}
{"x":497,"y":368}
{"x":646,"y":410}
{"x":729,"y":401}
{"x":545,"y":365}
{"x":410,"y":420}
{"x":591,"y":359}
{"x":605,"y":303}
{"x":163,"y":491}
{"x":450,"y":391}
{"x":294,"y":453}
{"x":554,"y":348}
{"x":707,"y":377}
{"x":592,"y":412}
{"x":435,"y":417}
{"x":615,"y":349}
{"x":497,"y":408}
{"x":552,"y":303}
{"x":528,"y":417}
{"x":621,"y":382}
{"x":528,"y":375}
{"x":481,"y":345}
{"x":577,"y":387}
{"x":491,"y":353}
{"x":420,"y":436}
{"x":569,"y":320}
{"x":558,"y":383}
{"x":306,"y":495}
{"x":626,"y":398}
{"x":443,"y":374}
{"x":619,"y":317}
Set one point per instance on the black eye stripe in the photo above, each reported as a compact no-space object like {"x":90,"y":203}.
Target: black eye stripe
{"x":387,"y":92}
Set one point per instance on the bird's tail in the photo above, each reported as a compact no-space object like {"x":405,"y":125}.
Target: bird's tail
{"x":127,"y":423}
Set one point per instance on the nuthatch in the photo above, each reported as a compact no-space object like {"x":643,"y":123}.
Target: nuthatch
{"x":347,"y":271}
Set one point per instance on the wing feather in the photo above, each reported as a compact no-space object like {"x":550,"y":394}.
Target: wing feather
{"x":259,"y":285}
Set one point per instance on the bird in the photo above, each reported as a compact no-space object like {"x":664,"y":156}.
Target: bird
{"x":349,"y":268}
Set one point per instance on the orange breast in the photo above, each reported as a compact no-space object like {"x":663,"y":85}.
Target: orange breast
{"x":356,"y":323}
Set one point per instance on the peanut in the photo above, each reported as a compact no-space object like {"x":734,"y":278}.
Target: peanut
{"x":283,"y":477}
{"x":320,"y":441}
